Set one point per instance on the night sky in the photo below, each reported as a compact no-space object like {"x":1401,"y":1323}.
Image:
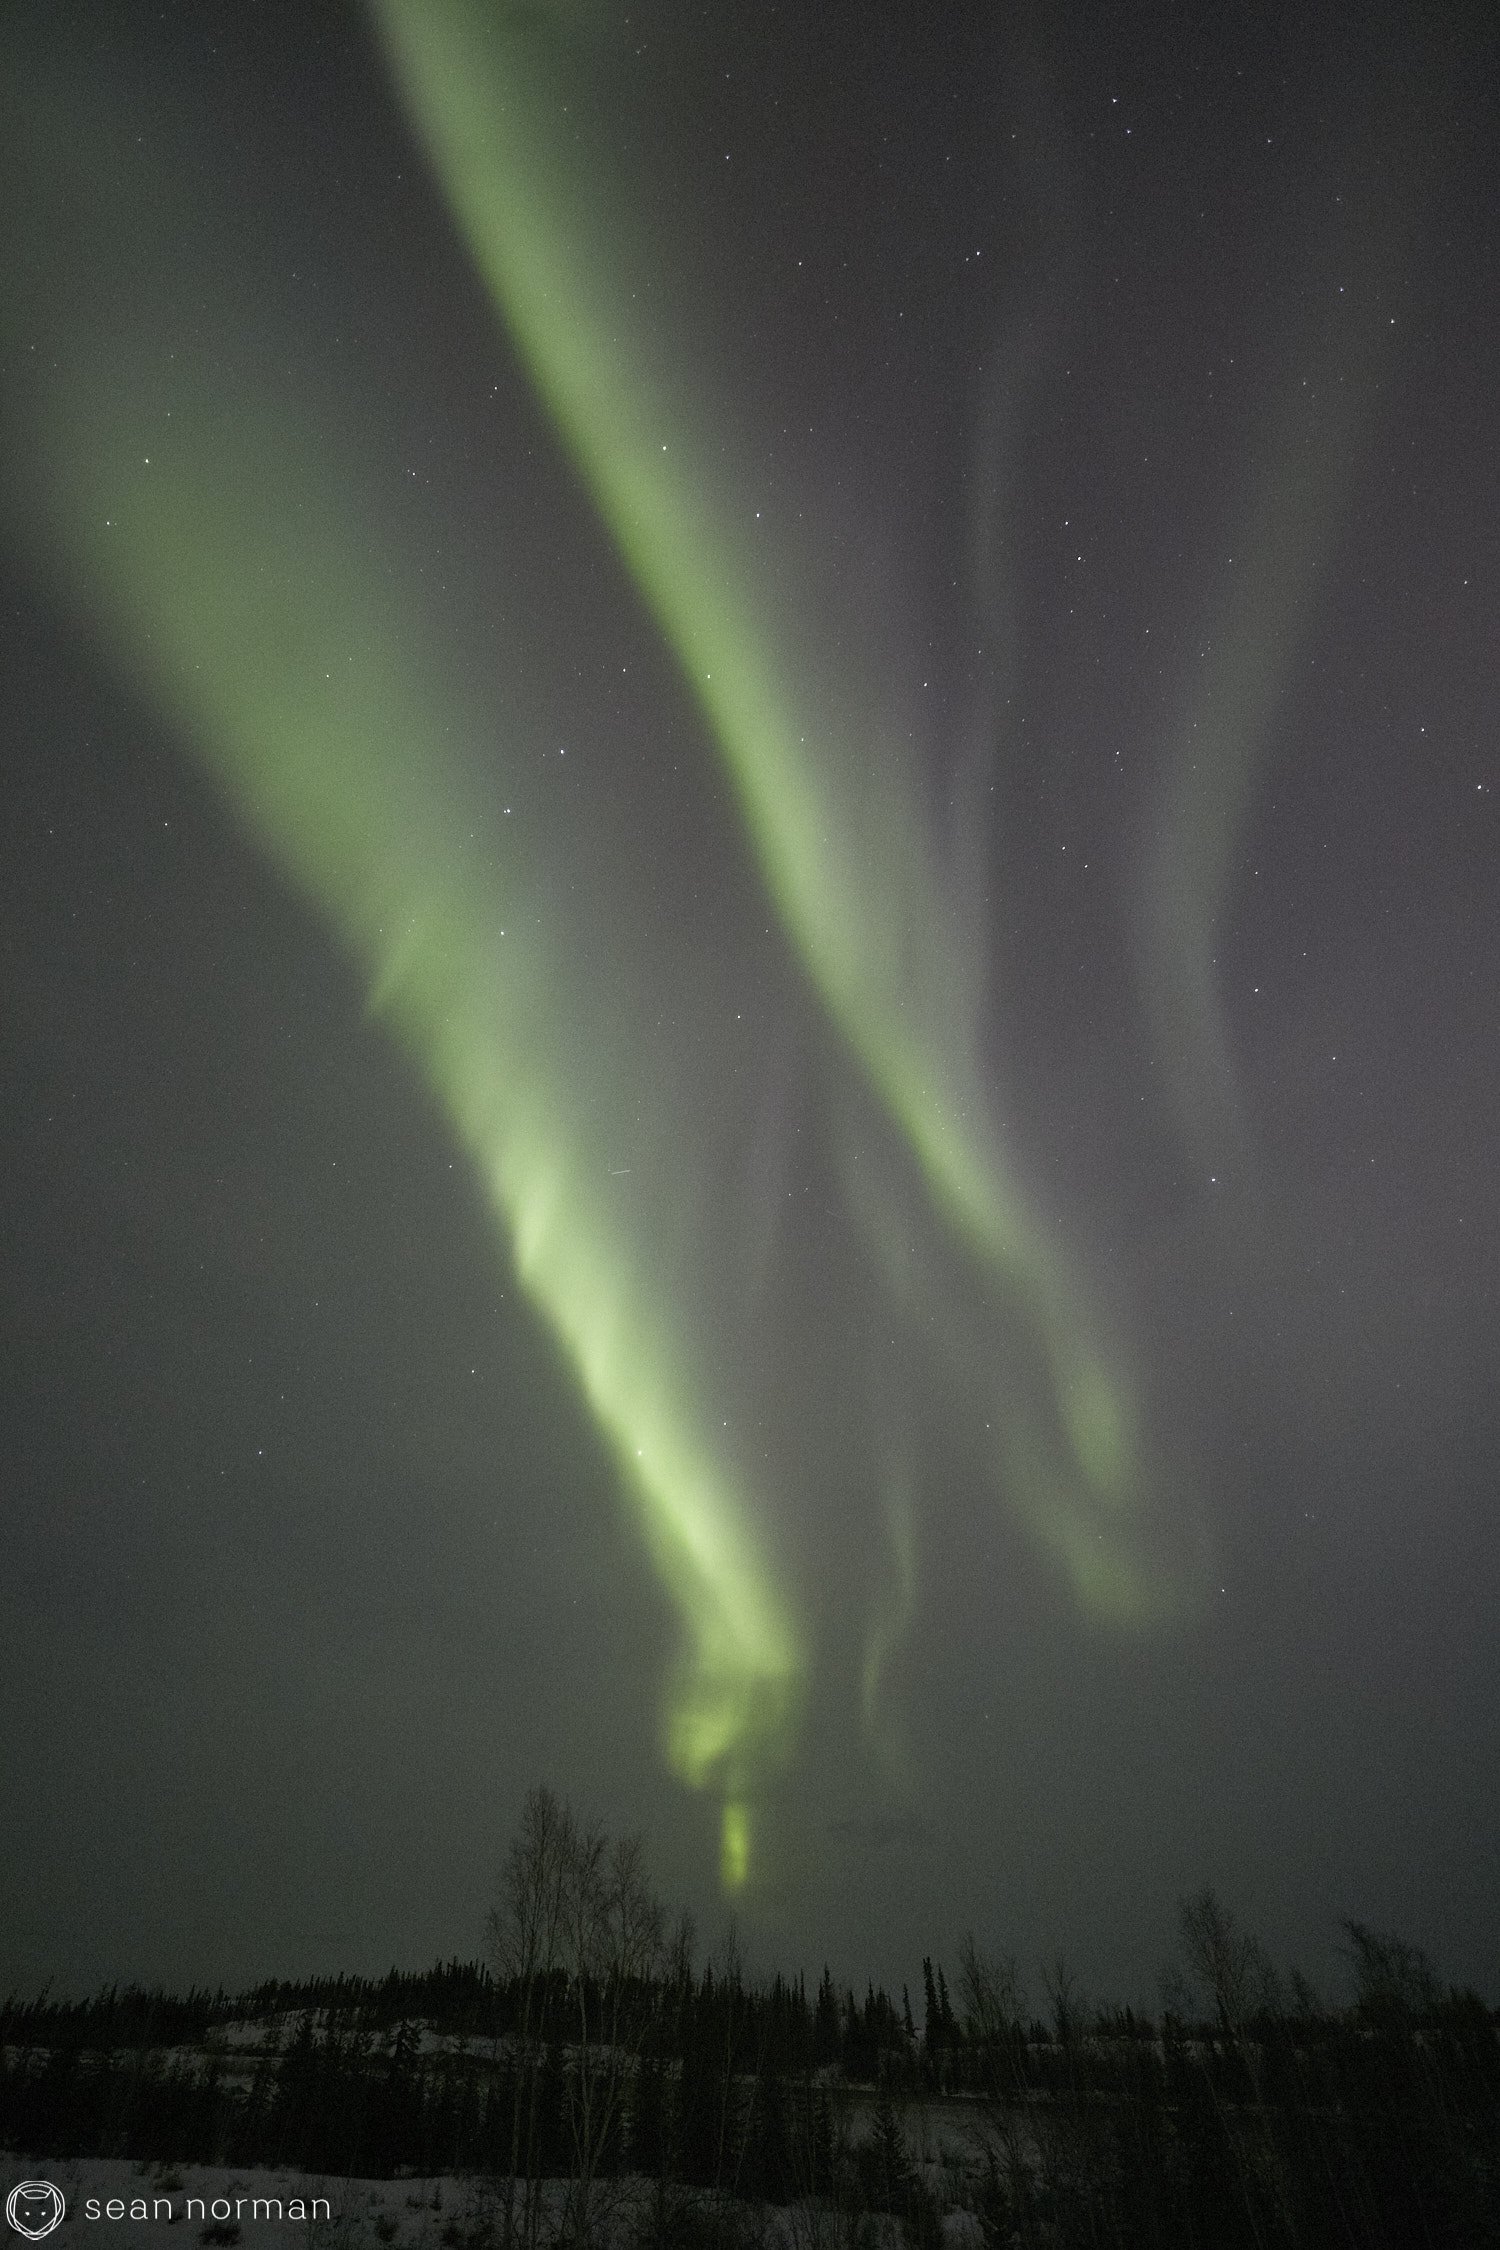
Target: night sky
{"x":751,"y":930}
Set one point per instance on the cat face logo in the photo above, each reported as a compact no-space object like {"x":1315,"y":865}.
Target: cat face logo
{"x":34,"y":2208}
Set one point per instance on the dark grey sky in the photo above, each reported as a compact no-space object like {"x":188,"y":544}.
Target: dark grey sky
{"x":1126,"y":386}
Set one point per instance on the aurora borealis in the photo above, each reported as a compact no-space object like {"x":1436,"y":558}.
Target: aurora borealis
{"x":775,"y":692}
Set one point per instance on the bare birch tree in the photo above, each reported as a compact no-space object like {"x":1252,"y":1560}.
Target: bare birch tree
{"x":579,"y":1931}
{"x":526,"y":1934}
{"x":616,"y":1956}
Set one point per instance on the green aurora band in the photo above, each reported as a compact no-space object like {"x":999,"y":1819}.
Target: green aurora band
{"x":350,"y":786}
{"x":308,"y":672}
{"x":830,"y":800}
{"x":303,"y":666}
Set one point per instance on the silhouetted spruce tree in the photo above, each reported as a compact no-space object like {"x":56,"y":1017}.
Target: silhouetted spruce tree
{"x":707,"y":2111}
{"x":932,"y":2020}
{"x":945,"y":2009}
{"x":812,"y":2137}
{"x":295,"y":2105}
{"x":768,"y":2174}
{"x":888,"y":2177}
{"x":825,"y":2035}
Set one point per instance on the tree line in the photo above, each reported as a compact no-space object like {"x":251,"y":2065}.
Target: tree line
{"x":593,"y":2049}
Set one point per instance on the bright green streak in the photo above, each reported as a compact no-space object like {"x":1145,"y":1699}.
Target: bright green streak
{"x":734,"y":1853}
{"x":352,"y":799}
{"x":827,"y":791}
{"x":829,"y":803}
{"x":225,"y":573}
